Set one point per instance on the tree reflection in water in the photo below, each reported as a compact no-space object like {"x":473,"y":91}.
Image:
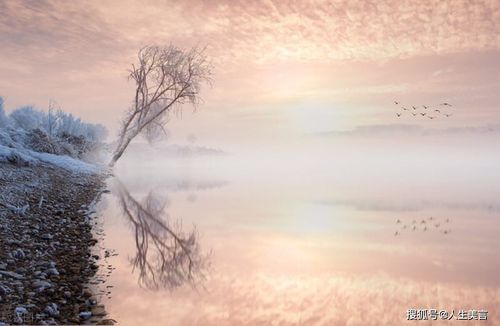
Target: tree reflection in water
{"x":166,"y":256}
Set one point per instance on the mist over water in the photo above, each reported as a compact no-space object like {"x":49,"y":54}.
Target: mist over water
{"x":328,"y":236}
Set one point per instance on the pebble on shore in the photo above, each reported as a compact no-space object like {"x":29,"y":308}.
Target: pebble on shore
{"x":46,"y":253}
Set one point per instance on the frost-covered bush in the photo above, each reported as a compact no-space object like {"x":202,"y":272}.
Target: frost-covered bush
{"x":53,"y":132}
{"x":26,"y":118}
{"x":3,"y":117}
{"x":56,"y":124}
{"x":39,"y":141}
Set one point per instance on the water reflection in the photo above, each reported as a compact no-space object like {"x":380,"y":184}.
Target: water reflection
{"x":167,"y":256}
{"x":306,"y":249}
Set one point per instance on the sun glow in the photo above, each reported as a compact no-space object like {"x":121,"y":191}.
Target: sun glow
{"x":313,"y":119}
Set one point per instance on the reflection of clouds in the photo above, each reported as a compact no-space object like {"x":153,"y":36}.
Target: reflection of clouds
{"x":261,"y":299}
{"x":379,"y":205}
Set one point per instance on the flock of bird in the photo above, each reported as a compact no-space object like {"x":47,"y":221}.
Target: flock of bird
{"x":425,"y":111}
{"x":424,"y":225}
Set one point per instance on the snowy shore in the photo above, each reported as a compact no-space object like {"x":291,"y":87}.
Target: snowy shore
{"x":46,"y":239}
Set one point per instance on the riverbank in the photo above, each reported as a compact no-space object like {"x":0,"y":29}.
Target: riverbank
{"x":46,"y":242}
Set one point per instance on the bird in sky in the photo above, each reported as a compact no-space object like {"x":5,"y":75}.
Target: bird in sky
{"x":404,"y":108}
{"x":396,"y":102}
{"x":398,"y":114}
{"x":425,"y":107}
{"x":398,"y":221}
{"x":414,"y":108}
{"x":430,"y":218}
{"x":438,"y":111}
{"x":446,"y":104}
{"x":422,"y":114}
{"x":448,"y":115}
{"x":414,"y":114}
{"x":414,"y":228}
{"x":431,"y":117}
{"x":425,"y":228}
{"x":396,"y":233}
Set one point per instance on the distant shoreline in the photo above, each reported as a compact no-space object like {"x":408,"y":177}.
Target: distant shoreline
{"x":46,"y":239}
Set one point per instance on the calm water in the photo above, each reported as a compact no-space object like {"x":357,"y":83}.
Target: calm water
{"x":302,"y":242}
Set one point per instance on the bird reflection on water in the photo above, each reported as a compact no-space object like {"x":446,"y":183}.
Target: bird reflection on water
{"x":431,"y":221}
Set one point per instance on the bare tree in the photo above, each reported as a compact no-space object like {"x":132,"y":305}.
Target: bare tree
{"x":52,"y":119}
{"x":166,"y":256}
{"x":165,"y":78}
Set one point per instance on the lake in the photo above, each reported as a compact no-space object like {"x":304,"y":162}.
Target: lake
{"x":303,"y":239}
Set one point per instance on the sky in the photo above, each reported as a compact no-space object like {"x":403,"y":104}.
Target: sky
{"x":282,"y":69}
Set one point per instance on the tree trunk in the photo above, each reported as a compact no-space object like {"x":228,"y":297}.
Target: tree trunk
{"x":119,"y":151}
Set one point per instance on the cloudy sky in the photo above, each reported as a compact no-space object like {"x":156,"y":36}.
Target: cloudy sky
{"x":282,"y":68}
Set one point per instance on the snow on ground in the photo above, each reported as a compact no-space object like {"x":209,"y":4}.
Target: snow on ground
{"x":67,"y":163}
{"x":28,"y":157}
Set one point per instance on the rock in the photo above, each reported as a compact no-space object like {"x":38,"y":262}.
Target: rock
{"x":4,"y":289}
{"x":47,"y":236}
{"x":86,"y":294}
{"x":52,"y":271}
{"x":20,"y":311}
{"x":85,"y":315}
{"x":18,"y":254}
{"x":99,"y":311}
{"x":52,"y":310}
{"x":106,"y":322}
{"x":21,"y":270}
{"x":41,"y":285}
{"x":91,"y":302}
{"x":17,"y":283}
{"x":67,"y":294}
{"x":3,"y":266}
{"x":12,"y":275}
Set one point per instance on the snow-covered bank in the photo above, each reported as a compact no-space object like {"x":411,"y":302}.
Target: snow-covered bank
{"x":26,"y":157}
